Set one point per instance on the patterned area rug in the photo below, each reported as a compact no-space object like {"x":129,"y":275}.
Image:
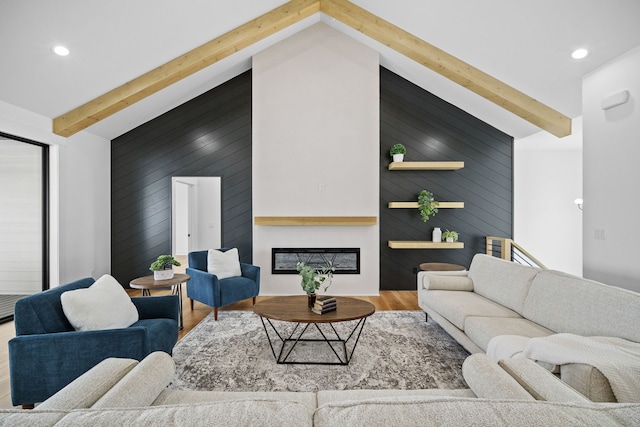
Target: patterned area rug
{"x":397,"y":350}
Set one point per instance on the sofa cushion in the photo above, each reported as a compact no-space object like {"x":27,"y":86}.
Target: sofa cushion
{"x":103,"y":305}
{"x":565,"y":303}
{"x":425,"y":411}
{"x":336,"y":396}
{"x":245,"y":412}
{"x":224,"y":263}
{"x":177,"y":397}
{"x":482,"y":329}
{"x":504,"y":282}
{"x":456,"y":306}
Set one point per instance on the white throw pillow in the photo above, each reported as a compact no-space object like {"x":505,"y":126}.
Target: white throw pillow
{"x":224,"y":264}
{"x":103,"y":305}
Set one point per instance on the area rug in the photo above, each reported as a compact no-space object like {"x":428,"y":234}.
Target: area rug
{"x":396,"y":350}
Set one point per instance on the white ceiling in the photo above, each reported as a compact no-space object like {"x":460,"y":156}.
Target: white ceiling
{"x":525,"y":44}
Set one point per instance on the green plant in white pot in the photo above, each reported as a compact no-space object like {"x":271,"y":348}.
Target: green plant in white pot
{"x":450,"y":236}
{"x":163,"y":267}
{"x":427,"y":205}
{"x":398,"y":151}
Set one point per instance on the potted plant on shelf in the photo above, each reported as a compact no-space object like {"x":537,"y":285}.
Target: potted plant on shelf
{"x":313,"y":278}
{"x":427,"y":205}
{"x":398,"y":151}
{"x":163,"y":267}
{"x":450,"y":236}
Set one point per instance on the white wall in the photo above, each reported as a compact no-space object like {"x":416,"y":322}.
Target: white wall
{"x":547,"y":180}
{"x":80,"y":211}
{"x":315,"y":151}
{"x":612,"y":174}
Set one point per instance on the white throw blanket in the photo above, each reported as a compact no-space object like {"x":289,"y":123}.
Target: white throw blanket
{"x":616,"y":358}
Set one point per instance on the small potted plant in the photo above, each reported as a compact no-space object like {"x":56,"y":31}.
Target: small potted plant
{"x":163,"y":267}
{"x":398,"y":151}
{"x":427,"y":205}
{"x":313,"y":278}
{"x":450,"y":236}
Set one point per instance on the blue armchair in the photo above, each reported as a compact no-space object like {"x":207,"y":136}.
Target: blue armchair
{"x":208,"y":289}
{"x":47,"y":353}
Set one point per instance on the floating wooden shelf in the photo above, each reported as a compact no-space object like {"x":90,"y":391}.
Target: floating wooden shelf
{"x":412,"y":205}
{"x":417,"y":244}
{"x":316,"y":220}
{"x":425,"y":166}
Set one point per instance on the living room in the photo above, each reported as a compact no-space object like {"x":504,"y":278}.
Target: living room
{"x":81,"y":165}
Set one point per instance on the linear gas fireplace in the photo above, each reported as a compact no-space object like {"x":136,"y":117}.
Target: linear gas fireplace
{"x":345,"y":260}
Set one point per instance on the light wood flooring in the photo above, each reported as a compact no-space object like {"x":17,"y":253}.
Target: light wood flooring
{"x":388,"y":300}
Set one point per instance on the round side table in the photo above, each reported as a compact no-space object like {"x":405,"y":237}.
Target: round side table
{"x":148,"y":284}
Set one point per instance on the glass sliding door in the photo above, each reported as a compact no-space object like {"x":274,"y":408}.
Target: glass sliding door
{"x":23,"y":220}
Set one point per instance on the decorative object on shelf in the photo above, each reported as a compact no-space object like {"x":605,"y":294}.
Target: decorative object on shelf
{"x":450,"y":236}
{"x":427,"y":205}
{"x":437,"y":235}
{"x":313,"y":278}
{"x":163,"y":267}
{"x":398,"y":151}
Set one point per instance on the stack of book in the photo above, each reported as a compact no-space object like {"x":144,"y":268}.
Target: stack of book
{"x":324,"y":304}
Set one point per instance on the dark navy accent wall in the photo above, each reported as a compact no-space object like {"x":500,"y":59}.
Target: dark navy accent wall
{"x":207,"y":136}
{"x":434,"y":130}
{"x":211,"y":136}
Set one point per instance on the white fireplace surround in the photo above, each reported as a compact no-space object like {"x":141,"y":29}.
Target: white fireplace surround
{"x":316,"y":149}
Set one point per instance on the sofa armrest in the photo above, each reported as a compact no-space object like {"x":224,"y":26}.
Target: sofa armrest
{"x":142,"y":385}
{"x":251,"y":272}
{"x":157,"y":307}
{"x":488,"y":381}
{"x":431,"y":281}
{"x":203,"y":286}
{"x":539,"y":382}
{"x":85,"y":390}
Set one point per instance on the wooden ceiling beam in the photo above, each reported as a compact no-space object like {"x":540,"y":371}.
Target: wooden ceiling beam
{"x":448,"y":66}
{"x":183,"y":66}
{"x":270,"y":23}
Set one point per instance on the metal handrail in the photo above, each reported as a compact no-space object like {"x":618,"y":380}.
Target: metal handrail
{"x":512,"y":251}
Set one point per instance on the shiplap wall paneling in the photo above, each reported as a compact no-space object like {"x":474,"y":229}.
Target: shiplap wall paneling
{"x":434,"y":130}
{"x":207,"y":136}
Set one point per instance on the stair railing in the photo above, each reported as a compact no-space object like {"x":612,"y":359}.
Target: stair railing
{"x":506,"y":248}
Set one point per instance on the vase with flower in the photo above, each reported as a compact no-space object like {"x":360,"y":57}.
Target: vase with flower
{"x":313,"y":278}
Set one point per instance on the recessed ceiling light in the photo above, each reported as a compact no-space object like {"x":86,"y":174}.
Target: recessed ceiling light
{"x":61,"y":50}
{"x":579,"y":53}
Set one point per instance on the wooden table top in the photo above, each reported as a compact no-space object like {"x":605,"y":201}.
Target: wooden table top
{"x":148,"y":282}
{"x":295,"y":309}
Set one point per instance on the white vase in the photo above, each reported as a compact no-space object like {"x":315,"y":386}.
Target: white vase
{"x":398,"y":157}
{"x":163,"y":274}
{"x":437,"y":235}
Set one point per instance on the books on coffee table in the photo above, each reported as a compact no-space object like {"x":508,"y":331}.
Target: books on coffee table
{"x":324,"y":304}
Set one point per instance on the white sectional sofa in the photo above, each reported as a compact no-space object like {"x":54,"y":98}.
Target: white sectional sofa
{"x":497,"y":306}
{"x":514,"y":392}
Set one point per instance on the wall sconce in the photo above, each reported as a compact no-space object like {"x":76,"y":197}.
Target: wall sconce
{"x":578,"y":203}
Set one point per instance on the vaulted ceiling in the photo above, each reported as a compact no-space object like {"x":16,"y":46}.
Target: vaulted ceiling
{"x":505,"y":62}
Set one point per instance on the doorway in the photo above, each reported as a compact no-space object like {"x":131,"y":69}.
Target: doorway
{"x":24,"y":220}
{"x":196,"y":214}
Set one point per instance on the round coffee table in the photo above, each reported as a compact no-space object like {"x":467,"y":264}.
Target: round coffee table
{"x":294,"y":309}
{"x":148,"y":284}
